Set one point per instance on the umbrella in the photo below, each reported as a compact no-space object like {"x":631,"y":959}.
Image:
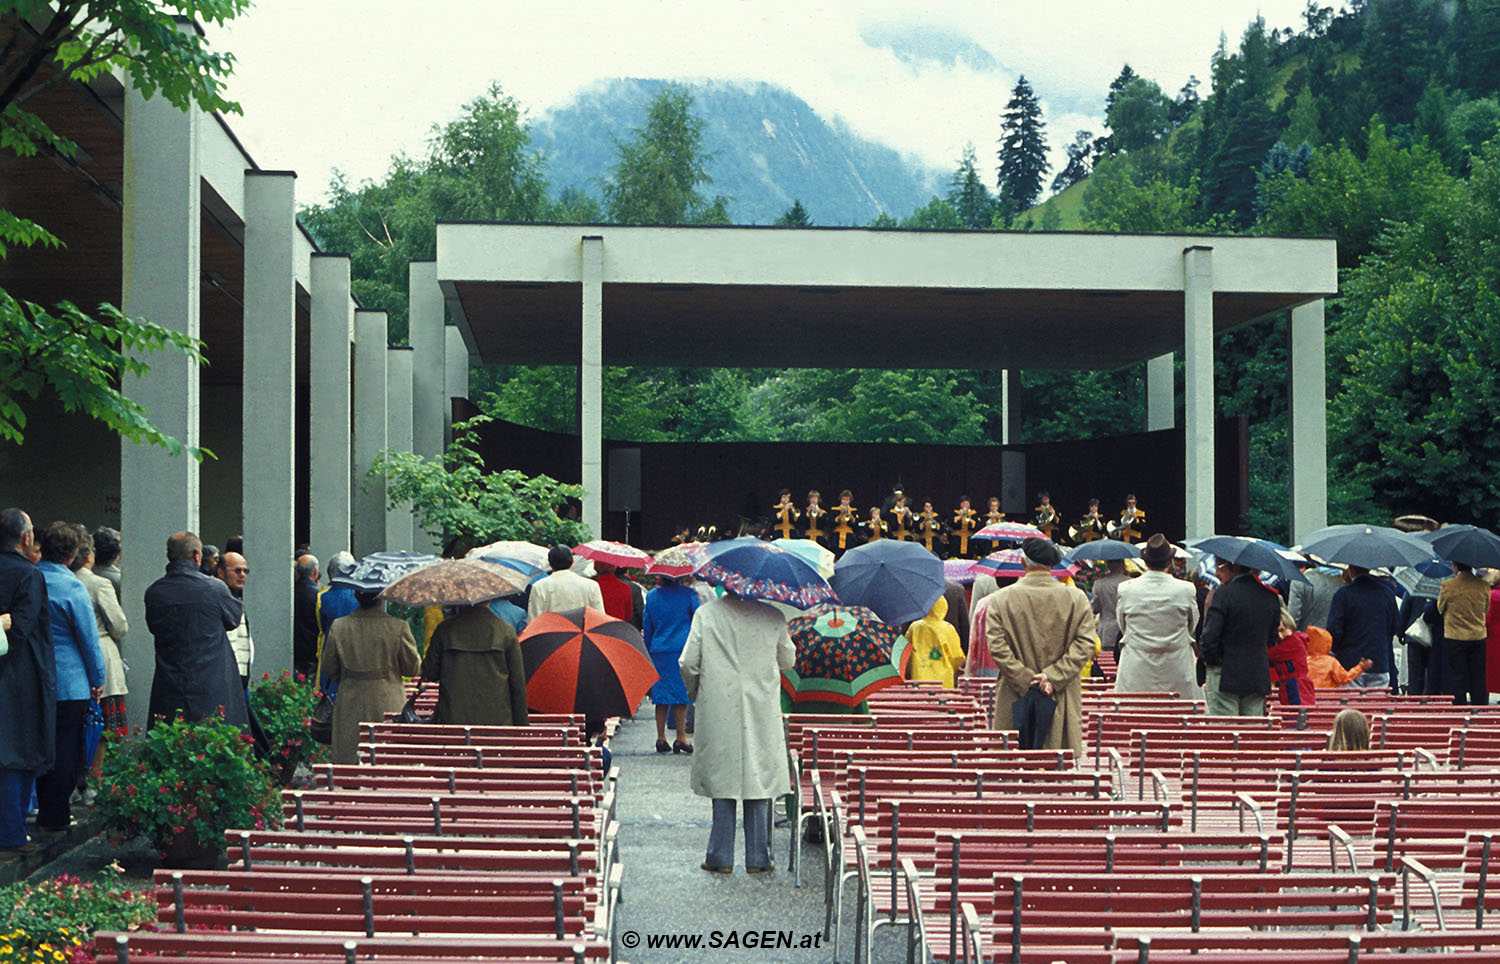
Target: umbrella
{"x":1010,"y":564}
{"x":841,"y":658}
{"x":1469,"y":545}
{"x":526,"y":569}
{"x":1104,"y":550}
{"x":1032,"y":715}
{"x":614,"y":553}
{"x":819,"y":557}
{"x":1010,"y":532}
{"x":582,"y":661}
{"x":527,"y":552}
{"x":677,"y":561}
{"x":1425,"y":579}
{"x":1368,"y":547}
{"x":858,"y":612}
{"x":758,"y":570}
{"x":1252,"y":553}
{"x":454,"y":582}
{"x":960,"y":571}
{"x":899,"y":580}
{"x":379,"y":569}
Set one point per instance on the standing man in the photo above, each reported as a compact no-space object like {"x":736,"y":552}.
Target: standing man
{"x":233,"y":572}
{"x":1363,"y":619}
{"x":28,"y":680}
{"x":305,"y":617}
{"x":619,"y":601}
{"x":1041,"y":633}
{"x":1239,"y":630}
{"x":563,"y":589}
{"x":1309,"y":601}
{"x":1157,"y":614}
{"x":190,"y":615}
{"x":1106,"y":598}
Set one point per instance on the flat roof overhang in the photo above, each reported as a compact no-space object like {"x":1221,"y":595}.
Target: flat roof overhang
{"x":757,"y":297}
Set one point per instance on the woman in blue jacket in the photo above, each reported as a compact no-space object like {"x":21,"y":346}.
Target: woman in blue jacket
{"x":668,"y":617}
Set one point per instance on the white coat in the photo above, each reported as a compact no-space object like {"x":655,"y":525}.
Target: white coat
{"x":562,"y":591}
{"x":736,"y":651}
{"x":1157,"y":613}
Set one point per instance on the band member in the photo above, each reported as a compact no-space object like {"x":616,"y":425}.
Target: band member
{"x":1046,"y":517}
{"x":1132,"y":519}
{"x":963,"y":525}
{"x":815,"y":513}
{"x":874,"y":526}
{"x":786,"y":515}
{"x":902,"y":521}
{"x":929,"y":527}
{"x":1090,"y":527}
{"x":684,"y":534}
{"x":844,"y":520}
{"x":994,"y":514}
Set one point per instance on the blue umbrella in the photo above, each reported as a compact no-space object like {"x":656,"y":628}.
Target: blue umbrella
{"x":1368,"y":547}
{"x":758,"y":570}
{"x":1251,"y":553}
{"x":1425,"y":579}
{"x":1469,"y":545}
{"x":1104,"y":550}
{"x":899,"y":580}
{"x":524,"y":568}
{"x":379,"y":569}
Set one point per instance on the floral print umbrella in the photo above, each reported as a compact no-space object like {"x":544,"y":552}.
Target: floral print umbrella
{"x":753,"y":569}
{"x":841,"y":658}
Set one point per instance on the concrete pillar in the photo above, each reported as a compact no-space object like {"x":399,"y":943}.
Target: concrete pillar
{"x":429,"y":371}
{"x":160,"y":271}
{"x":1161,"y":397}
{"x":1005,"y":406}
{"x":1198,"y":387}
{"x":330,"y":360}
{"x":457,"y":355}
{"x":370,"y":340}
{"x":591,"y":385}
{"x":1308,"y":431}
{"x":398,"y":428}
{"x":268,"y":415}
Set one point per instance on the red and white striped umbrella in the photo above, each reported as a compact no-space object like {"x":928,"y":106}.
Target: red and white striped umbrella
{"x":614,"y":553}
{"x":1009,"y":532}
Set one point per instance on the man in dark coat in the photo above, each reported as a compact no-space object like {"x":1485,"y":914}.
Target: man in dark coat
{"x":190,"y":614}
{"x":1238,"y":632}
{"x":305,"y":616}
{"x":28,"y":680}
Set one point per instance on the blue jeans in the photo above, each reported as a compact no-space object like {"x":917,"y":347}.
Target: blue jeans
{"x":1373,"y":680}
{"x":15,"y":799}
{"x":757,"y":834}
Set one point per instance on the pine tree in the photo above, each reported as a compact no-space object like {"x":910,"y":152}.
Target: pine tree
{"x":1023,"y":151}
{"x":967,"y":194}
{"x":1078,"y":166}
{"x":796,"y":216}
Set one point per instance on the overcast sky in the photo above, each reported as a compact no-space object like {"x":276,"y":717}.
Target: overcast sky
{"x":345,"y":84}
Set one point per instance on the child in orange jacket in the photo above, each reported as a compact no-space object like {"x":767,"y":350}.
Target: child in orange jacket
{"x":1326,"y":672}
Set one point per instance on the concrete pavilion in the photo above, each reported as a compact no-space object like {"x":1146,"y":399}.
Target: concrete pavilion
{"x":777,"y":297}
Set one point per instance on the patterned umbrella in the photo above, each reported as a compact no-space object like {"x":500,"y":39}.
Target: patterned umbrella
{"x":614,"y":553}
{"x":527,"y":552}
{"x":1009,"y":532}
{"x":759,"y":570}
{"x":582,"y":661}
{"x":960,"y":571}
{"x":1425,"y":579}
{"x":841,"y":658}
{"x":858,"y":612}
{"x":677,"y":561}
{"x":1010,"y":564}
{"x":454,"y":582}
{"x":819,"y":557}
{"x":379,"y":569}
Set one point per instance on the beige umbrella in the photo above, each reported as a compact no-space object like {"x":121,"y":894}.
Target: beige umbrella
{"x":454,"y":582}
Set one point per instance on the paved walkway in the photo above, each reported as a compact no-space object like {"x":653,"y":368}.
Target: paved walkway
{"x":663,"y":836}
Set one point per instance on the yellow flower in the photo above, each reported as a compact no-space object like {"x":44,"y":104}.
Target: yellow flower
{"x":57,"y":955}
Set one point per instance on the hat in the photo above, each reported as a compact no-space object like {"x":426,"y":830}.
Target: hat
{"x":1041,"y":552}
{"x":1157,"y":552}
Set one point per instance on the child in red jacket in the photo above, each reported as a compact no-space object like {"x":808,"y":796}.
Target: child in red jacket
{"x":1289,"y":664}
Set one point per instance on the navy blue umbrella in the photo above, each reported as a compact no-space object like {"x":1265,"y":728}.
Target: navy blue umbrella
{"x":899,"y":580}
{"x":1469,"y":545}
{"x":1368,"y":547}
{"x":1251,"y":553}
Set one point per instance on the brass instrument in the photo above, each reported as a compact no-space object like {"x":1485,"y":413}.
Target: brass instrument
{"x":814,"y":513}
{"x":901,"y":530}
{"x":1045,"y":518}
{"x":844,"y":524}
{"x":786,"y":516}
{"x":963,"y":527}
{"x":1126,"y":529}
{"x":1088,"y":529}
{"x":993,"y":517}
{"x":874,"y":529}
{"x":930,"y":527}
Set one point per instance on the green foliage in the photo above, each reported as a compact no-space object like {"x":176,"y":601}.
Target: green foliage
{"x":1238,"y":126}
{"x":284,"y":707}
{"x":1023,"y":151}
{"x":1139,"y":116}
{"x":185,"y":779}
{"x":1060,"y":405}
{"x":455,"y":497}
{"x":818,"y":405}
{"x":967,"y":195}
{"x":65,"y":351}
{"x":1077,"y":168}
{"x":54,"y":920}
{"x":795,"y":216}
{"x":1118,"y":198}
{"x":936,"y":214}
{"x":661,"y":166}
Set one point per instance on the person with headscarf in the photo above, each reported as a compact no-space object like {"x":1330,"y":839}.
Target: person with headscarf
{"x":935,"y":650}
{"x":366,"y":654}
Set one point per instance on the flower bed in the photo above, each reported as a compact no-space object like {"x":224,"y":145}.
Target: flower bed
{"x":53,"y":922}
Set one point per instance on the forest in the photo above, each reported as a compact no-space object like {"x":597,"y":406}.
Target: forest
{"x":1375,"y":124}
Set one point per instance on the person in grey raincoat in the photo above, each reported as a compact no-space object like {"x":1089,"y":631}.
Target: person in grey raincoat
{"x":190,"y":615}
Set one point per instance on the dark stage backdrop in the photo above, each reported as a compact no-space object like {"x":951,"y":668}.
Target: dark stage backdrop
{"x":721,"y":483}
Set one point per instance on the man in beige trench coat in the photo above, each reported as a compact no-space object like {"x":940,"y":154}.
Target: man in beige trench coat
{"x":1041,"y":634}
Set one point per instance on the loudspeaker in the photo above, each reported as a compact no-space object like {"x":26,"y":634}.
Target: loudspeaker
{"x":624,"y":480}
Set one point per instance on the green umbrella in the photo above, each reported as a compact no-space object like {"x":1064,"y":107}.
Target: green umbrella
{"x":841,"y":658}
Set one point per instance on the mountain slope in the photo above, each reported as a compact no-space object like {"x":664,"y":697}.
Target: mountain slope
{"x":768,"y":149}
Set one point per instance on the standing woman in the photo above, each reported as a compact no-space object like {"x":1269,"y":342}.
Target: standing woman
{"x":109,"y":620}
{"x":667,"y":619}
{"x":366,"y":653}
{"x":736,"y":652}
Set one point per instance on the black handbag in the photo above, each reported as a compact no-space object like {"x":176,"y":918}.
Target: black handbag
{"x":320,"y":725}
{"x":408,"y":712}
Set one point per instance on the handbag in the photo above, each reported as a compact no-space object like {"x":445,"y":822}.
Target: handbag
{"x":320,"y":725}
{"x":1418,"y":632}
{"x":408,"y":712}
